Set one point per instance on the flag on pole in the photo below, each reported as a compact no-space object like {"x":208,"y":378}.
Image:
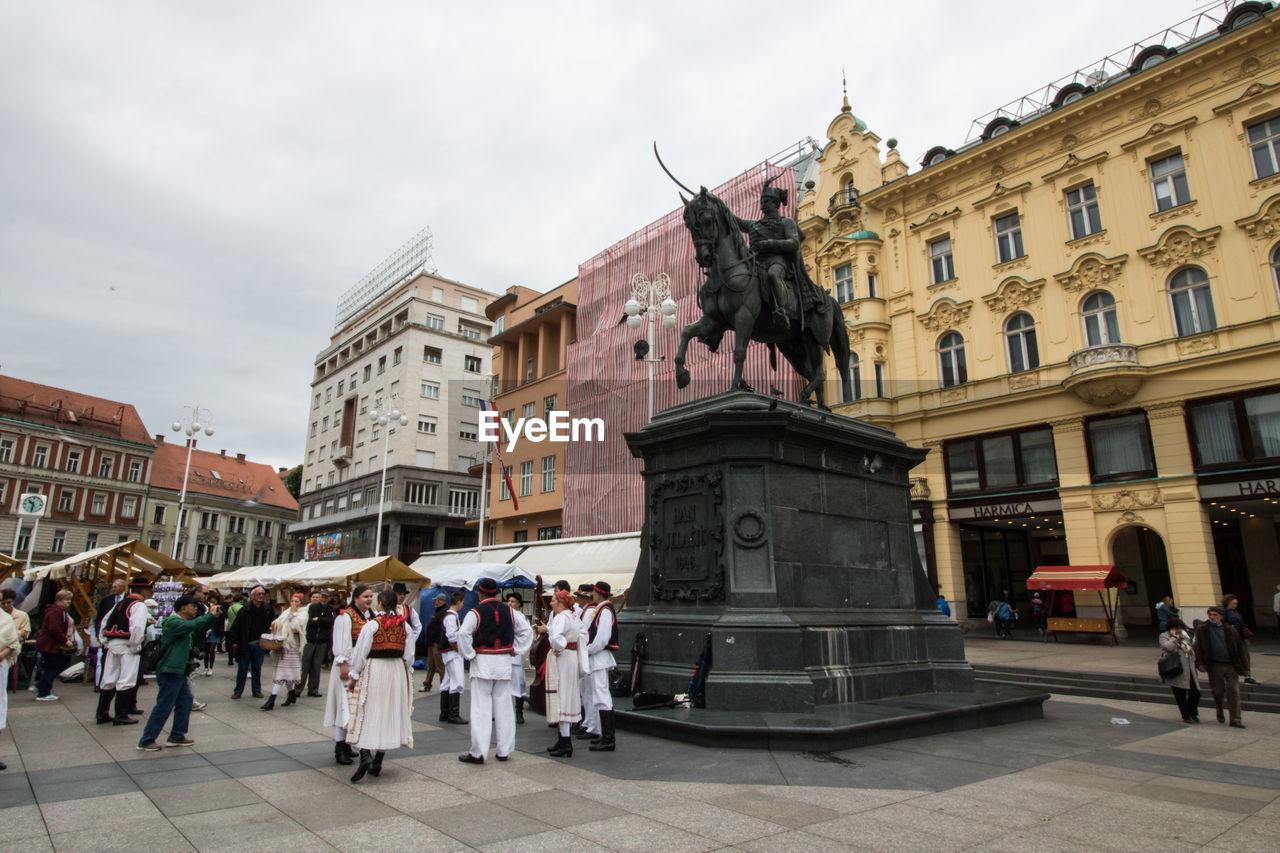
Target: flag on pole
{"x":488,"y":406}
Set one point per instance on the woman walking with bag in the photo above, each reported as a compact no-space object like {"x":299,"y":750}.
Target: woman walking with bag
{"x":289,"y":628}
{"x":1177,"y":669}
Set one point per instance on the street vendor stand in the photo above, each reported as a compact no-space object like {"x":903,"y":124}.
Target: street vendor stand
{"x":1055,"y":579}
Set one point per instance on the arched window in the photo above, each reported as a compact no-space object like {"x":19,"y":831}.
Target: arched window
{"x":1101,"y":324}
{"x":1020,"y":337}
{"x":1275,"y":266}
{"x":855,"y":378}
{"x":1192,"y":301}
{"x":951,"y":360}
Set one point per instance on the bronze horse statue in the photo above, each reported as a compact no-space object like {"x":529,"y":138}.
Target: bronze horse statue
{"x":734,"y":297}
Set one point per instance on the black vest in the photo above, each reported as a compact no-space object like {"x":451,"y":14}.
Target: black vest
{"x":595,"y":620}
{"x":495,"y":628}
{"x":117,"y":624}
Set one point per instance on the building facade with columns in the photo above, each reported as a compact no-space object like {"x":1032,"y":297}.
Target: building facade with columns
{"x":1077,"y":311}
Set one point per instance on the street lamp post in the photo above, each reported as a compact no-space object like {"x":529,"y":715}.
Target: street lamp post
{"x":650,"y":298}
{"x":190,"y":423}
{"x":386,"y":420}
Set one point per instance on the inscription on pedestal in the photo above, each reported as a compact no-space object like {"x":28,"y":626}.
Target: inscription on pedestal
{"x":686,"y":539}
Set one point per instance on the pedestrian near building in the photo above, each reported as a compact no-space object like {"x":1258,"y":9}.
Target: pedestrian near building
{"x":123,"y":632}
{"x":213,"y":638}
{"x":320,"y":617}
{"x":380,"y":691}
{"x":1040,"y":613}
{"x":1175,"y":642}
{"x":290,"y":629}
{"x":346,"y":631}
{"x":253,"y":620}
{"x":490,"y":637}
{"x":10,"y":647}
{"x":602,"y":643}
{"x":519,"y":682}
{"x":1165,"y":610}
{"x":431,"y":637}
{"x":173,"y":689}
{"x":1222,"y":654}
{"x":233,"y":609}
{"x":55,"y":644}
{"x":454,"y":675}
{"x":566,"y":662}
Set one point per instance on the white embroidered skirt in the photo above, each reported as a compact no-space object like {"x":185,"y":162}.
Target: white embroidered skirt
{"x":380,"y":706}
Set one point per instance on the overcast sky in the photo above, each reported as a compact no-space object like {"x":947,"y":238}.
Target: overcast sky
{"x":187,"y":188}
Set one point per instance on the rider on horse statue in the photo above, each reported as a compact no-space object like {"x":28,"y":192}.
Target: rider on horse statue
{"x":775,"y":243}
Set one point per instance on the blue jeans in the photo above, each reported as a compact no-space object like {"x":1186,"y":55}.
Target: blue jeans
{"x":173,"y":695}
{"x":53,"y":664}
{"x":250,"y":661}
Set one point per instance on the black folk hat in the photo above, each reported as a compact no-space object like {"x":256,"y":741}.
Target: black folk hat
{"x":488,"y":586}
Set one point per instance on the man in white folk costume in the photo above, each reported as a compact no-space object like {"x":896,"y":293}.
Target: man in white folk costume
{"x":589,"y":727}
{"x":519,"y":681}
{"x":454,"y":677}
{"x":122,"y":633}
{"x":380,"y":695}
{"x":491,"y":637}
{"x":346,"y":630}
{"x":602,"y":636}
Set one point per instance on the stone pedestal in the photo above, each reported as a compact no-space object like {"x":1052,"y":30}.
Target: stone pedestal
{"x":785,"y":533}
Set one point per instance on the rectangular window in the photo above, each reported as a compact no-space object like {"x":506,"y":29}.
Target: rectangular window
{"x":435,"y":322}
{"x":526,"y":478}
{"x":1082,"y":211}
{"x":397,"y":354}
{"x":73,"y":461}
{"x":6,"y":449}
{"x":316,"y":404}
{"x":520,"y":536}
{"x":106,"y":464}
{"x":423,"y":459}
{"x":1264,"y":144}
{"x":99,"y":506}
{"x":204,"y":553}
{"x":471,"y":397}
{"x":469,"y":332}
{"x":382,"y":364}
{"x":368,"y":372}
{"x":431,"y":390}
{"x":464,"y":502}
{"x":1242,"y":428}
{"x":1008,"y":237}
{"x":1002,"y":461}
{"x":942,"y":267}
{"x":157,"y":516}
{"x":135,"y":471}
{"x":129,"y":506}
{"x":59,"y":541}
{"x":420,"y":493}
{"x":342,"y":386}
{"x":509,"y":416}
{"x":528,"y":410}
{"x":843,"y":276}
{"x":504,"y":494}
{"x":471,"y":364}
{"x":548,"y":473}
{"x":1120,"y":447}
{"x":545,"y":533}
{"x":66,"y":500}
{"x":315,"y":427}
{"x":468,"y":431}
{"x":426,"y":424}
{"x":437,"y":294}
{"x":209,"y":521}
{"x":872,"y":290}
{"x":1169,"y":181}
{"x":264,"y":528}
{"x":431,"y":355}
{"x":549,"y":404}
{"x":41,"y":457}
{"x":91,"y":542}
{"x":231,"y":555}
{"x":469,"y":304}
{"x":235,"y":524}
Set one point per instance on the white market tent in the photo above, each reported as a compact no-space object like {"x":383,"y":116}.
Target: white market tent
{"x":582,"y":559}
{"x":124,"y":558}
{"x":316,"y":572}
{"x":465,"y":575}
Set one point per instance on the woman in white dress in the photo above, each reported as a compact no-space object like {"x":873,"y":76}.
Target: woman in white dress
{"x":290,"y":628}
{"x":379,"y":691}
{"x":566,"y":661}
{"x":10,"y":646}
{"x":346,"y":630}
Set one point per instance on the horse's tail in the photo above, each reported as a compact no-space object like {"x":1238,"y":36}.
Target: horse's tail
{"x":773,"y":358}
{"x":840,"y":350}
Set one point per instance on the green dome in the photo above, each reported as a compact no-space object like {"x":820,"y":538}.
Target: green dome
{"x":864,"y":235}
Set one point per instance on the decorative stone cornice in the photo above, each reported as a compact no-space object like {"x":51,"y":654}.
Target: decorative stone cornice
{"x":1128,"y":499}
{"x":1073,"y":424}
{"x":1265,"y":224}
{"x":999,"y":193}
{"x":1156,"y":131}
{"x":936,"y":217}
{"x":1180,"y":244}
{"x":1073,"y":162}
{"x":1175,"y":409}
{"x":1013,"y":293}
{"x":1254,"y":90}
{"x":1206,"y":342}
{"x":946,"y":313}
{"x":1091,"y":270}
{"x":920,"y":488}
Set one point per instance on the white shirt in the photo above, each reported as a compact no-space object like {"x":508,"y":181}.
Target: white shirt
{"x":493,"y":667}
{"x":451,"y":630}
{"x":601,"y":658}
{"x":137,"y":632}
{"x":341,"y":640}
{"x":360,"y":655}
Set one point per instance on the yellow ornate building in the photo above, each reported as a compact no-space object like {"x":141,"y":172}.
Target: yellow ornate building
{"x":1077,"y":312}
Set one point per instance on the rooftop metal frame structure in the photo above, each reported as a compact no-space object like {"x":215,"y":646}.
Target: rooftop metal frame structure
{"x":407,"y":261}
{"x":1111,"y":67}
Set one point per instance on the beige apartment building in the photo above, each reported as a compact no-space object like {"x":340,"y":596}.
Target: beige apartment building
{"x":418,"y":347}
{"x":531,"y":331}
{"x":1077,"y":312}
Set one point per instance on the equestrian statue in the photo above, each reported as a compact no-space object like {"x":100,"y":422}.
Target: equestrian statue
{"x":762,"y":292}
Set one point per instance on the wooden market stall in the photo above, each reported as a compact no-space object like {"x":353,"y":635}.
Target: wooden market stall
{"x":1100,"y":579}
{"x":9,"y":567}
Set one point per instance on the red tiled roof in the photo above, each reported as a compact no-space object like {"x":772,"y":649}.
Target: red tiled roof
{"x":71,"y":411}
{"x":214,"y":474}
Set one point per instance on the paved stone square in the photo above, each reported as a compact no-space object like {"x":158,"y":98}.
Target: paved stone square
{"x":1073,"y":781}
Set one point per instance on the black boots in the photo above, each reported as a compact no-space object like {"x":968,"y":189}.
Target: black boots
{"x":519,"y":700}
{"x":562,"y":748}
{"x":270,"y":704}
{"x":366,"y":761}
{"x":342,"y":753}
{"x":104,"y":706}
{"x":606,"y":743}
{"x":132,"y":693}
{"x":291,"y":698}
{"x":444,"y":707}
{"x":124,"y":700}
{"x":455,"y":712}
{"x":375,"y":768}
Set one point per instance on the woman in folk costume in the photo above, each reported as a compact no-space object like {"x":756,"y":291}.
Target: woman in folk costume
{"x":379,"y":693}
{"x":346,"y":630}
{"x":566,"y":663}
{"x":10,"y":646}
{"x":290,"y":628}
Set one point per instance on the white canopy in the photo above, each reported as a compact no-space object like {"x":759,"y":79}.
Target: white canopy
{"x":466,"y":574}
{"x":427,"y":563}
{"x":126,"y":558}
{"x":368,"y":569}
{"x":583,"y":559}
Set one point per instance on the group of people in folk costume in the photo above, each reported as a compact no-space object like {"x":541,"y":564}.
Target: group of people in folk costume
{"x":369,"y":701}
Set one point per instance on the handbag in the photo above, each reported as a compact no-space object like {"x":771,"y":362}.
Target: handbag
{"x":268,"y":643}
{"x":1169,"y":667}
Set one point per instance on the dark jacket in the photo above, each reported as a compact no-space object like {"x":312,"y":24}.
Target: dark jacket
{"x":55,"y":630}
{"x":320,"y":619}
{"x":1235,"y":648}
{"x":252,"y":622}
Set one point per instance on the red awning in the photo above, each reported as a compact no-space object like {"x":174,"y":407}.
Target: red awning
{"x":1076,"y":577}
